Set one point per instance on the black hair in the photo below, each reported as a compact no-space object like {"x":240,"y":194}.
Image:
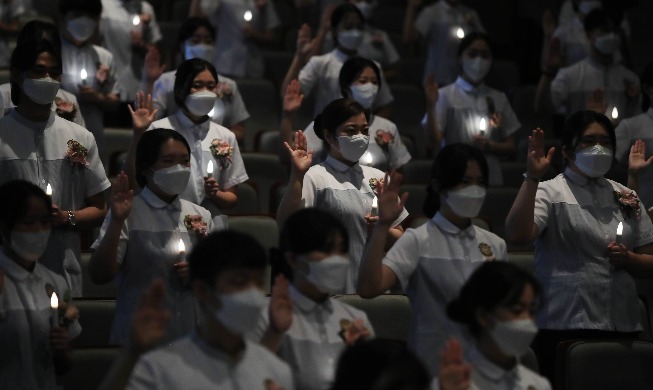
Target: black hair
{"x":307,"y":230}
{"x":380,"y":365}
{"x":191,"y":25}
{"x":646,"y":81}
{"x":185,"y":75}
{"x":35,"y":30}
{"x":148,"y":150}
{"x":493,"y":284}
{"x":448,"y":170}
{"x":24,"y":57}
{"x":225,"y":250}
{"x":352,"y":69}
{"x":472,"y":37}
{"x":578,"y":122}
{"x":597,"y":19}
{"x":339,"y":14}
{"x":334,"y":114}
{"x":89,"y":7}
{"x":14,"y":202}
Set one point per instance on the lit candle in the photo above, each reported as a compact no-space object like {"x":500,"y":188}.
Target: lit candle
{"x":482,"y":126}
{"x":212,"y":112}
{"x":83,"y":75}
{"x":375,"y":207}
{"x":209,"y":169}
{"x":136,"y":21}
{"x":367,"y":158}
{"x":247,"y":16}
{"x":615,"y":113}
{"x":48,"y":190}
{"x":620,"y":231}
{"x":182,"y":248}
{"x":54,"y":304}
{"x":460,"y":33}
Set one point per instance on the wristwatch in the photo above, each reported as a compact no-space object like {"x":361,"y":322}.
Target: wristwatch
{"x":71,"y":218}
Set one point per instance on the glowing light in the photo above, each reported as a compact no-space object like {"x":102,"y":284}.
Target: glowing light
{"x":482,"y":124}
{"x":54,"y":305}
{"x":615,"y":113}
{"x":181,"y":246}
{"x":136,"y":21}
{"x":460,"y":33}
{"x":83,"y":75}
{"x":375,"y":206}
{"x":48,"y":190}
{"x":247,"y":16}
{"x":209,"y":169}
{"x":367,"y":158}
{"x":212,"y":112}
{"x":620,"y":229}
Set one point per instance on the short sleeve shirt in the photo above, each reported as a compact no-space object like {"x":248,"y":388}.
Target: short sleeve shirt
{"x":345,"y":192}
{"x":148,"y":249}
{"x":628,"y":131}
{"x":36,"y":152}
{"x":227,"y":111}
{"x":320,"y":75}
{"x":386,"y":151}
{"x":191,"y":362}
{"x":432,"y":262}
{"x":6,"y":105}
{"x":199,"y":137}
{"x":315,"y":339}
{"x":582,"y":289}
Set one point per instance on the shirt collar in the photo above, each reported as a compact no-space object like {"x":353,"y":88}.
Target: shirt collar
{"x":186,"y":123}
{"x":36,"y":126}
{"x":466,"y":86}
{"x":15,"y":271}
{"x":305,"y":304}
{"x":342,"y":167}
{"x":490,"y":370}
{"x":154,"y":201}
{"x":446,"y":225}
{"x":339,"y":54}
{"x":581,"y":180}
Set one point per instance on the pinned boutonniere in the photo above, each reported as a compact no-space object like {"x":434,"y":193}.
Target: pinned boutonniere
{"x":65,"y":109}
{"x":76,"y":153}
{"x":377,"y":185}
{"x":222,"y":151}
{"x":486,"y":250}
{"x":223,"y":91}
{"x":352,"y":331}
{"x":628,"y":203}
{"x":383,"y":138}
{"x":196,"y":224}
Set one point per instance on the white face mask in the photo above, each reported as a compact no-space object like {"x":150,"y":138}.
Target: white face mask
{"x":585,"y":7}
{"x":81,"y":28}
{"x":201,"y":51}
{"x":466,"y":202}
{"x":364,"y":94}
{"x":239,"y":312}
{"x":41,"y":91}
{"x":594,"y":161}
{"x":514,"y":337}
{"x":172,"y":180}
{"x":29,"y":246}
{"x":476,"y":68}
{"x":607,"y":43}
{"x":329,"y":275}
{"x":200,"y":103}
{"x":365,"y":8}
{"x":350,"y":39}
{"x":352,"y":148}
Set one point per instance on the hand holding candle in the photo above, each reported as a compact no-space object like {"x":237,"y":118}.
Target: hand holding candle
{"x":247,"y":16}
{"x":136,"y":20}
{"x":375,"y":207}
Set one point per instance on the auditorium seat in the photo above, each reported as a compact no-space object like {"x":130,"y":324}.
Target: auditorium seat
{"x":416,"y":197}
{"x":389,"y":314}
{"x":92,"y":290}
{"x":417,"y":171}
{"x":248,"y":202}
{"x":268,"y":141}
{"x":265,"y":170}
{"x":264,"y":229}
{"x":95,"y":317}
{"x":262,"y":101}
{"x":524,"y":260}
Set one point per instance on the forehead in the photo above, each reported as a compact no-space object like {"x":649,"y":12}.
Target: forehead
{"x":356,"y":119}
{"x":595,"y":129}
{"x":478,"y":45}
{"x":172,"y":146}
{"x":473,"y":169}
{"x":204,"y":75}
{"x":367,"y":72}
{"x":351,"y":18}
{"x":202,"y":31}
{"x":46,"y":59}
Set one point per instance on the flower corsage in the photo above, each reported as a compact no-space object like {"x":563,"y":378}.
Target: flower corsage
{"x":383,"y":138}
{"x":196,"y":224}
{"x":223,"y":91}
{"x":353,"y":330}
{"x":628,"y":203}
{"x":377,"y":185}
{"x":222,"y":151}
{"x":76,"y":153}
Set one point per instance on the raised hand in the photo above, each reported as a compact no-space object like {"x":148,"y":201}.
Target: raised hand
{"x":150,"y":319}
{"x":389,"y":203}
{"x":292,"y":99}
{"x":454,"y":373}
{"x":121,"y":198}
{"x":431,"y":90}
{"x":637,"y":158}
{"x":143,"y":116}
{"x":305,"y":44}
{"x":280,"y":307}
{"x":538,"y":162}
{"x":554,"y":57}
{"x":153,"y":69}
{"x":300,"y":158}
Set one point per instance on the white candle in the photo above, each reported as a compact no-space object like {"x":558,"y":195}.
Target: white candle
{"x":48,"y":190}
{"x":54,"y":304}
{"x":247,"y":16}
{"x":136,"y":21}
{"x":375,"y":207}
{"x":460,"y":33}
{"x":83,"y":75}
{"x":482,"y":126}
{"x":620,"y":231}
{"x":615,"y":113}
{"x":209,"y":169}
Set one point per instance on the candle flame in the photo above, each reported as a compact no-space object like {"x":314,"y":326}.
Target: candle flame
{"x":182,"y":247}
{"x":615,"y":113}
{"x":209,"y":167}
{"x":375,"y":202}
{"x":212,"y":112}
{"x":482,"y":124}
{"x":460,"y":33}
{"x":83,"y":75}
{"x":247,"y":16}
{"x":48,"y":190}
{"x":620,"y":229}
{"x":54,"y":301}
{"x":136,"y":21}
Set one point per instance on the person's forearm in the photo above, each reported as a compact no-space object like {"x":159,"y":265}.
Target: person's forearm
{"x":292,"y":199}
{"x":370,"y":274}
{"x":225,"y":199}
{"x":519,"y":222}
{"x":89,"y":217}
{"x":286,"y":125}
{"x":639,"y":265}
{"x":543,"y":102}
{"x":410,"y":33}
{"x":633,"y":180}
{"x":506,"y":146}
{"x":103,"y":266}
{"x":292,"y":73}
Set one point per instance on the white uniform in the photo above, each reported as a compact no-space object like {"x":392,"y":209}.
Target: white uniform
{"x":376,"y":46}
{"x":345,"y":192}
{"x":148,"y":249}
{"x":7,"y":105}
{"x":574,"y":44}
{"x":227,"y":111}
{"x":116,"y":26}
{"x":315,"y":339}
{"x":432,"y":262}
{"x":191,"y":363}
{"x":320,"y":75}
{"x":379,"y":154}
{"x":10,"y":10}
{"x":459,"y":111}
{"x":438,"y":24}
{"x":628,"y":131}
{"x":36,"y":152}
{"x":25,"y":314}
{"x":577,"y":219}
